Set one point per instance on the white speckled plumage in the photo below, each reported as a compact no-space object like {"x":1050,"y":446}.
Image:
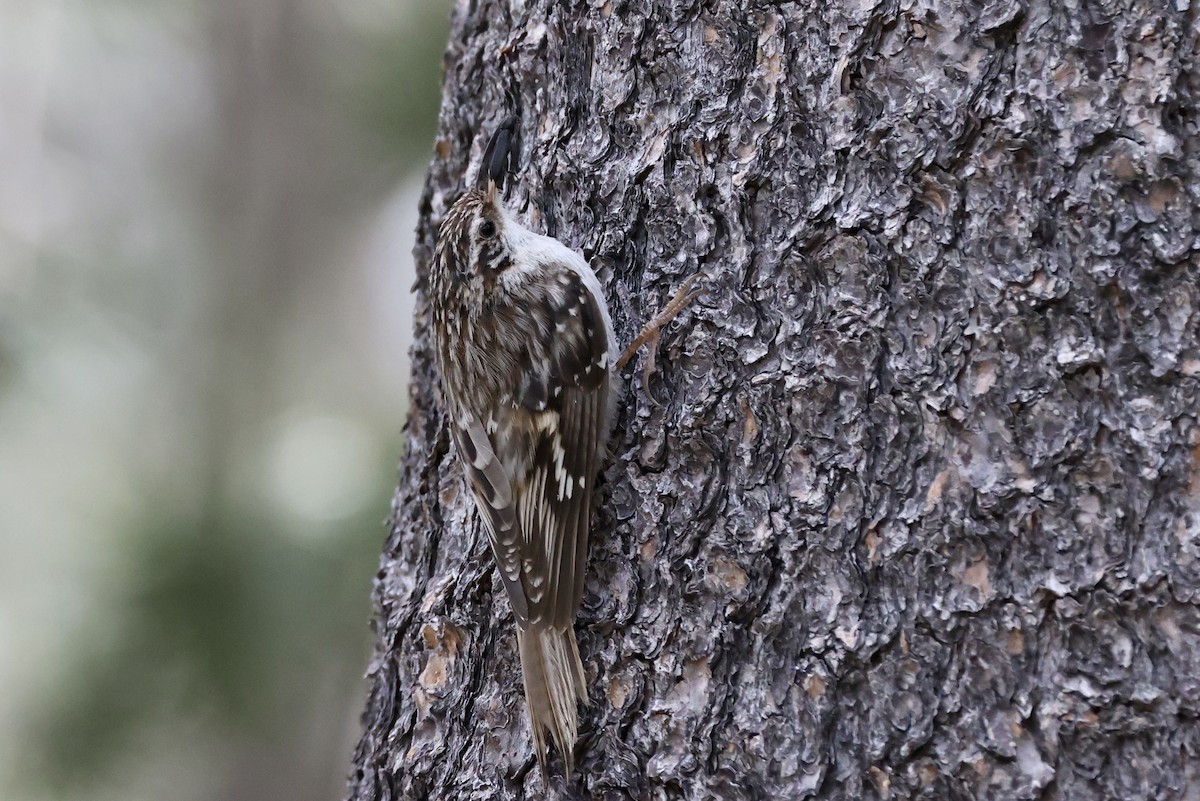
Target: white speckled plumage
{"x":524,"y":344}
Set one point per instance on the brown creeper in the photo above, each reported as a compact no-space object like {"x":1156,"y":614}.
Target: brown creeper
{"x":524,"y":348}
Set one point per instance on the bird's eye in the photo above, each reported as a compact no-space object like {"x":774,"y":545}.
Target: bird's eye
{"x":488,"y":229}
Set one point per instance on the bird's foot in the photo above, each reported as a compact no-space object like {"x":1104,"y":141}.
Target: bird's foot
{"x":652,"y":330}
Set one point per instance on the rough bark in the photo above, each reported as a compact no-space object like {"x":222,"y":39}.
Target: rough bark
{"x":920,"y":513}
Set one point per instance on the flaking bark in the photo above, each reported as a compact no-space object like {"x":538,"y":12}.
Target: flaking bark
{"x":919,"y":515}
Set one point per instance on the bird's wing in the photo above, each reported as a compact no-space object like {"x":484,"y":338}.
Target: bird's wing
{"x":559,"y":411}
{"x":557,"y":506}
{"x":531,"y":460}
{"x":554,"y":504}
{"x":490,"y":484}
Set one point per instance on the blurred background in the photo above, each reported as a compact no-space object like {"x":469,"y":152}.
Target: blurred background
{"x":206,"y":216}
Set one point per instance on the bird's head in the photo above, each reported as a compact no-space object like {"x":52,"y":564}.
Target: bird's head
{"x":475,"y":238}
{"x":478,"y":238}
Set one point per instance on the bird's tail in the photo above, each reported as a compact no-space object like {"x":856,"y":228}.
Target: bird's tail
{"x":553,"y":675}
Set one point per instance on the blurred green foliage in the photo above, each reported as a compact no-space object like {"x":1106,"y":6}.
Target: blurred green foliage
{"x":390,"y":87}
{"x":179,"y":273}
{"x":227,"y":619}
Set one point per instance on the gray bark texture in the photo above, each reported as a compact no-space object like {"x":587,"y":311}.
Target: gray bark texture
{"x":919,"y":515}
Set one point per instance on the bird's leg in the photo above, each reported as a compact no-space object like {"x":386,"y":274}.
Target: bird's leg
{"x":652,"y":330}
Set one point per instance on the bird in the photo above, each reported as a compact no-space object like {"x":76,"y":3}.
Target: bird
{"x":526,"y":352}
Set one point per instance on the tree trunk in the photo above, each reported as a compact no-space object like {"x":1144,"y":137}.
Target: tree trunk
{"x":919,"y":512}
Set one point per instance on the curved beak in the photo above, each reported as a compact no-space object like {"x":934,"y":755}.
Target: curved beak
{"x":498,"y":157}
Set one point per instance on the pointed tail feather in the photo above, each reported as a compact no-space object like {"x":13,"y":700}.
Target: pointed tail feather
{"x":554,"y":679}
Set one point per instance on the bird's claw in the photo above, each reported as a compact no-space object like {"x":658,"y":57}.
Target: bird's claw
{"x":651,"y":331}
